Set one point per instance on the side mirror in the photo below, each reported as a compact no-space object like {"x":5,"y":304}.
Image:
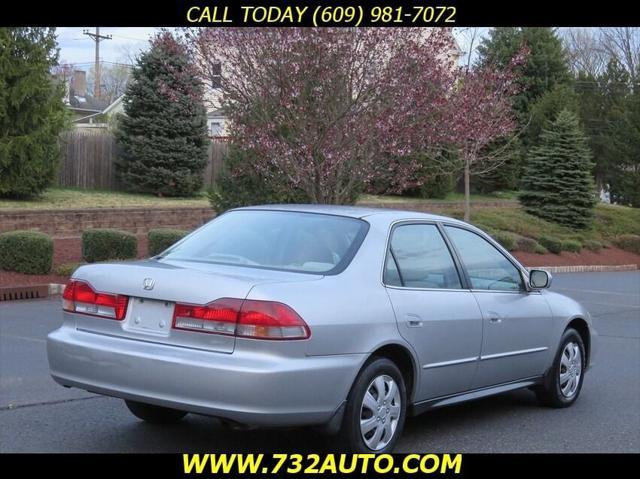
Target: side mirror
{"x":539,"y":279}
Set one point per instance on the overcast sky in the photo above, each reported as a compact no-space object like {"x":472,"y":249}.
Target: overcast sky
{"x":79,"y":49}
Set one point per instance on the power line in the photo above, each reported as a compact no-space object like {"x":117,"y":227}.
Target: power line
{"x":97,"y":38}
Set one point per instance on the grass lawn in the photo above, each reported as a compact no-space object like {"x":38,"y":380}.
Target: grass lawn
{"x":453,"y":197}
{"x":63,"y":198}
{"x":610,"y":221}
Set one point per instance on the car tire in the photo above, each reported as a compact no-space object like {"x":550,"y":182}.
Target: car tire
{"x":376,"y":409}
{"x":563,"y":382}
{"x":154,"y":414}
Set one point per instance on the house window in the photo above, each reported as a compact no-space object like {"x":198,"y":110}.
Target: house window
{"x":216,"y":75}
{"x":215,"y":128}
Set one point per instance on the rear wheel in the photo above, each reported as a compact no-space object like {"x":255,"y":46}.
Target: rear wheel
{"x":564,"y":380}
{"x":376,"y":409}
{"x":154,"y":414}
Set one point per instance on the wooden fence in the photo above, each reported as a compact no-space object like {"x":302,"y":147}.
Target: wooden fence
{"x":89,"y":155}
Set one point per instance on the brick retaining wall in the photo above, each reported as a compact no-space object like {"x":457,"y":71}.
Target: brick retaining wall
{"x":71,"y":223}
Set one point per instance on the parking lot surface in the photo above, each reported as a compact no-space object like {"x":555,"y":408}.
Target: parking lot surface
{"x":37,"y":415}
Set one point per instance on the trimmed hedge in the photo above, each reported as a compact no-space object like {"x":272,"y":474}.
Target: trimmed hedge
{"x":573,"y":246}
{"x":539,"y":249}
{"x":29,"y":252}
{"x":103,"y":244}
{"x":66,"y":269}
{"x":528,"y":245}
{"x":552,"y":243}
{"x":162,"y":238}
{"x":628,"y":243}
{"x":593,"y":245}
{"x":506,"y":239}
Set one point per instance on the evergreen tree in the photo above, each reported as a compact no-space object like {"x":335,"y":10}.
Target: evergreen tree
{"x":32,"y":113}
{"x":545,"y":67}
{"x":545,"y":77}
{"x":557,"y":183}
{"x":603,"y":100}
{"x":163,"y":137}
{"x":624,"y":175}
{"x":547,"y":108}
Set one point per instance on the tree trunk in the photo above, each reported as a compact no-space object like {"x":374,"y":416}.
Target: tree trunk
{"x":467,"y":191}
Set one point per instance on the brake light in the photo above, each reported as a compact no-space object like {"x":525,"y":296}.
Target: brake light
{"x":80,"y":297}
{"x":249,"y":319}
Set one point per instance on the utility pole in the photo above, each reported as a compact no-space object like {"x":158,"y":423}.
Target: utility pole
{"x":97,"y":38}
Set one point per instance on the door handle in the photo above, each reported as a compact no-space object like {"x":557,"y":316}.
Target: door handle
{"x":414,"y":323}
{"x":494,"y":318}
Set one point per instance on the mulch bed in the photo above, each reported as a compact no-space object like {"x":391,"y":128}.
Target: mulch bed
{"x":68,"y":250}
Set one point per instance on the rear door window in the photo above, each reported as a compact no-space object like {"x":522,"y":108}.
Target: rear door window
{"x":418,"y":257}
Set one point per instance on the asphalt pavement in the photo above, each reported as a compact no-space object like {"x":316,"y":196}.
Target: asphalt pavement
{"x":37,"y":415}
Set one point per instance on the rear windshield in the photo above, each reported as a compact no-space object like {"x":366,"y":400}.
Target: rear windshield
{"x":283,"y":240}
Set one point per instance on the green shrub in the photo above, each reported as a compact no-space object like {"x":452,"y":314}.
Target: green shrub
{"x":528,"y":245}
{"x":573,"y":246}
{"x":593,"y":245}
{"x":628,"y":243}
{"x":29,"y":252}
{"x":241,"y":185}
{"x":551,"y":243}
{"x":107,"y":244}
{"x":160,"y":239}
{"x":539,"y":249}
{"x":66,"y":269}
{"x":506,"y":239}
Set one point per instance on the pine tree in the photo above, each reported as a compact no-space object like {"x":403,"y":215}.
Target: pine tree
{"x":602,"y":100}
{"x":545,"y":68}
{"x":163,"y":137}
{"x":557,"y":184}
{"x":545,"y":76}
{"x":32,"y":113}
{"x":623,"y":175}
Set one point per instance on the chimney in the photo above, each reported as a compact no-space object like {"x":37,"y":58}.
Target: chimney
{"x":79,"y":83}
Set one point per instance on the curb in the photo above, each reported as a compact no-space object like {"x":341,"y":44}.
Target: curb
{"x":55,"y":288}
{"x":587,"y":269}
{"x":35,"y":291}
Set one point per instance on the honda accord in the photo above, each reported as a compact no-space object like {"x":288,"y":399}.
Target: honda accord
{"x":351,"y":319}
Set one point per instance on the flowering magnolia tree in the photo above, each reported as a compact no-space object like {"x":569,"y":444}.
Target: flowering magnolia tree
{"x":324,"y":109}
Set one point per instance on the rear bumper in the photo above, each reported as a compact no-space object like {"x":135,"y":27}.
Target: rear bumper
{"x":253,"y":388}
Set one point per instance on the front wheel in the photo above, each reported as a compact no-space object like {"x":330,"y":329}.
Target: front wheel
{"x":376,"y":408}
{"x":563,"y":383}
{"x":154,"y":414}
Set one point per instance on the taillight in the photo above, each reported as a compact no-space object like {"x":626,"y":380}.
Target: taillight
{"x":249,"y":319}
{"x":80,"y":297}
{"x":270,"y":320}
{"x":217,"y":317}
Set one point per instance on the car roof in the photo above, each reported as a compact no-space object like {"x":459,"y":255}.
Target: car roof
{"x":353,"y":211}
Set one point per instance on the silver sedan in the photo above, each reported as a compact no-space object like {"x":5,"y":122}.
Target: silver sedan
{"x":346,"y":318}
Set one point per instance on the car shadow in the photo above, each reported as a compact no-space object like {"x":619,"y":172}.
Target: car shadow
{"x":198,"y":433}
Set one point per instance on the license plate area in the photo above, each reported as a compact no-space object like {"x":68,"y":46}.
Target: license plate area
{"x":150,"y":316}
